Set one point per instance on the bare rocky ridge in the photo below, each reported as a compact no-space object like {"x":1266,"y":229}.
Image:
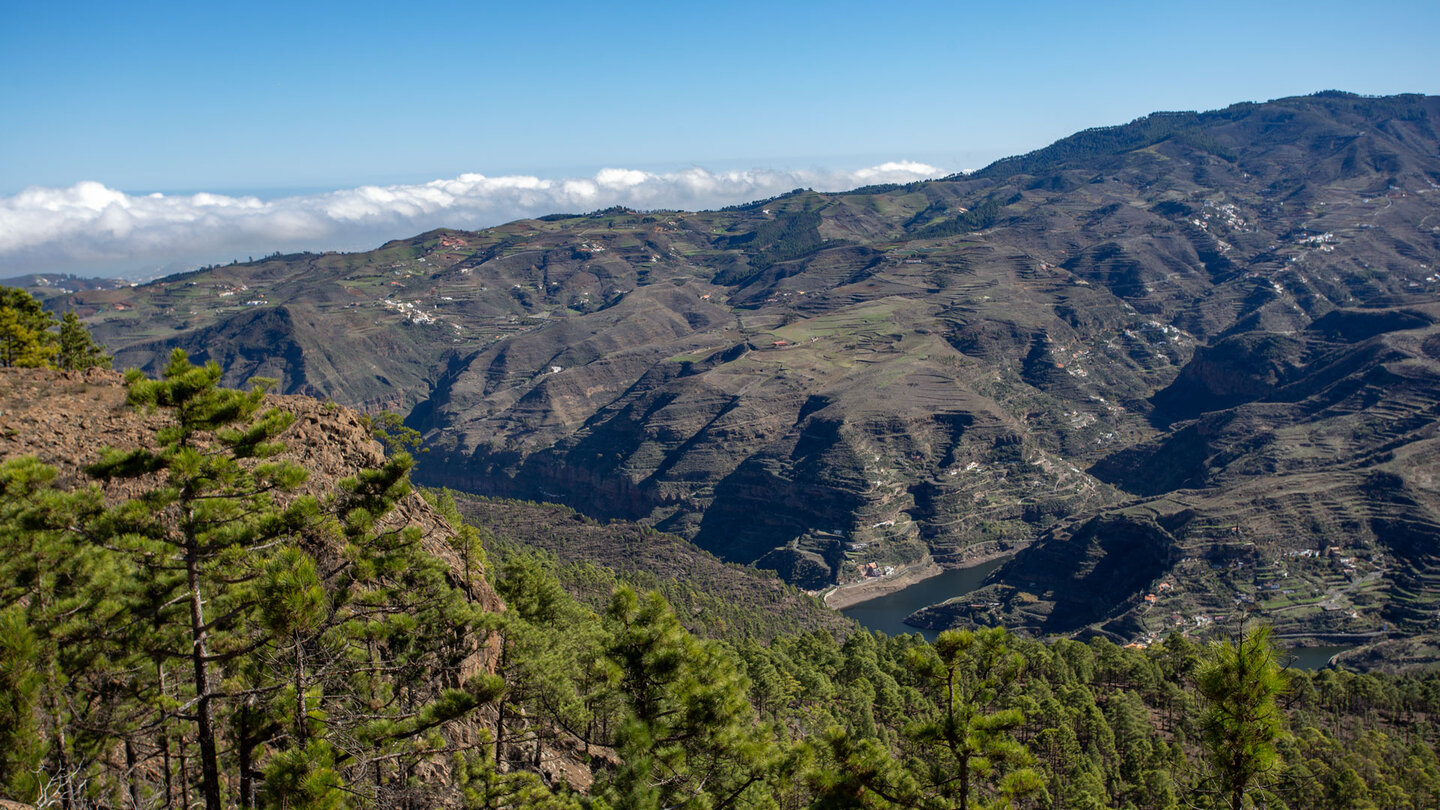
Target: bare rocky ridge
{"x":1207,"y":320}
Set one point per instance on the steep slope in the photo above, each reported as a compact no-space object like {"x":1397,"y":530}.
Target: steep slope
{"x":820,"y":381}
{"x":712,"y":598}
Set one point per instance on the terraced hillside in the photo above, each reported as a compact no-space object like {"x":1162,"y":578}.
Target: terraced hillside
{"x":1179,"y":336}
{"x":1313,"y":503}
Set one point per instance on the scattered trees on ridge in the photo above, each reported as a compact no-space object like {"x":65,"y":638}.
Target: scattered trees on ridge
{"x":31,"y":337}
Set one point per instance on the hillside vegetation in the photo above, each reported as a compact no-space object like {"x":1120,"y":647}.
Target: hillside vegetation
{"x":713,"y":599}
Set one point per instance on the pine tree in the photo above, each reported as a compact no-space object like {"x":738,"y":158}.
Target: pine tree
{"x":538,"y":655}
{"x":77,"y":350}
{"x":305,"y":644}
{"x":389,"y":429}
{"x":398,"y":638}
{"x":970,"y":733}
{"x":21,"y":749}
{"x":859,"y":773}
{"x":301,"y":623}
{"x":201,"y":537}
{"x":690,"y":734}
{"x":1240,"y":682}
{"x":25,"y":337}
{"x":58,"y":622}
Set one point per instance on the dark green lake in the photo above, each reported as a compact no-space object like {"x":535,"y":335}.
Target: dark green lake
{"x":887,"y":613}
{"x":1310,"y":657}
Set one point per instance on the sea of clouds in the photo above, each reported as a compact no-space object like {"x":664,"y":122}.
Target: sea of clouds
{"x":91,"y":229}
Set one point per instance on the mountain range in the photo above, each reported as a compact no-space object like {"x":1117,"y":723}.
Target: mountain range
{"x":1185,"y":369}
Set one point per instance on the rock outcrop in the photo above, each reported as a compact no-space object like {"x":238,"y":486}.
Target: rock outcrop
{"x":65,"y":419}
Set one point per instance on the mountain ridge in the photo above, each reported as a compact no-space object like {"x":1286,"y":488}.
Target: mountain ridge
{"x":954,"y":367}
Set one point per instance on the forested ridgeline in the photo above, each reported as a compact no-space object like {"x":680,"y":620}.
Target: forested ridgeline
{"x":202,"y":625}
{"x":590,"y":558}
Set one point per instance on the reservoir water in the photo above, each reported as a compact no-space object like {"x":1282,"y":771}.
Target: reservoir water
{"x":887,"y":613}
{"x":1310,"y":657}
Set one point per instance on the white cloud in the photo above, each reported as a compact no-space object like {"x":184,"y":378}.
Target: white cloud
{"x":91,"y":229}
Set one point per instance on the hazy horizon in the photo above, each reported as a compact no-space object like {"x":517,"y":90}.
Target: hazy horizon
{"x":261,"y":124}
{"x":90,"y":229}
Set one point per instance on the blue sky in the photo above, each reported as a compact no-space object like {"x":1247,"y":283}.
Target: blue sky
{"x":290,"y":99}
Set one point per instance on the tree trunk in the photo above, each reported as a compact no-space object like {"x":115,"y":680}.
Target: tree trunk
{"x":500,"y":707}
{"x":301,"y":732}
{"x":244,"y":751}
{"x":130,"y":775}
{"x":204,"y":720}
{"x":184,"y":776}
{"x":499,"y":730}
{"x":964,"y":783}
{"x":67,"y":796}
{"x":165,"y":741}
